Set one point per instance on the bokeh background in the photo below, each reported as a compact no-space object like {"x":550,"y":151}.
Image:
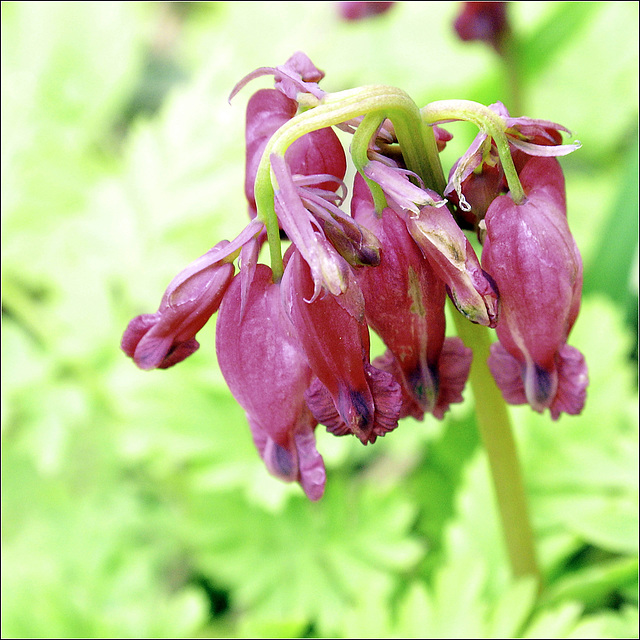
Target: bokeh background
{"x":134,"y":503}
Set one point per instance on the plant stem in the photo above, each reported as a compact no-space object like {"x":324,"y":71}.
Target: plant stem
{"x":420,"y":150}
{"x":489,"y":123}
{"x":495,"y":430}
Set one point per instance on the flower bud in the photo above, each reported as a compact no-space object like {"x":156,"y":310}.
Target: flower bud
{"x":164,"y":338}
{"x":348,"y":394}
{"x":530,"y":253}
{"x":267,"y":373}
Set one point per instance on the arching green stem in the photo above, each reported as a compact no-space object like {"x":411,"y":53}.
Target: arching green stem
{"x":359,"y":148}
{"x":415,"y":138}
{"x":497,"y":437}
{"x":488,"y":122}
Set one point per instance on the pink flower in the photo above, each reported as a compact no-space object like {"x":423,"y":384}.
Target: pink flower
{"x":267,"y":373}
{"x":404,"y":305}
{"x":348,"y":395}
{"x":161,"y":339}
{"x":532,"y":256}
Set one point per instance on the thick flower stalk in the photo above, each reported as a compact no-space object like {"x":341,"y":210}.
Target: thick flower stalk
{"x":293,"y":337}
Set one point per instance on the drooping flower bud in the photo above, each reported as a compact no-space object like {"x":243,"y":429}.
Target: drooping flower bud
{"x":404,"y":305}
{"x":532,"y":256}
{"x":161,"y":339}
{"x":166,"y":337}
{"x":348,"y":395}
{"x":267,"y":373}
{"x":452,"y":257}
{"x":485,"y":21}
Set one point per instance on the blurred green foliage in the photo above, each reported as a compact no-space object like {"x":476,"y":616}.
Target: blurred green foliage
{"x":134,"y":503}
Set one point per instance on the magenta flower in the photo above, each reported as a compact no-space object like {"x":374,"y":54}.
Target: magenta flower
{"x":478,"y":172}
{"x":166,"y":337}
{"x":267,"y":373}
{"x":404,"y":305}
{"x":485,"y":21}
{"x":532,"y":256}
{"x":353,"y":11}
{"x":348,"y":395}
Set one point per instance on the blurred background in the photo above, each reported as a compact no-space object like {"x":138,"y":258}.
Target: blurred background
{"x":134,"y":503}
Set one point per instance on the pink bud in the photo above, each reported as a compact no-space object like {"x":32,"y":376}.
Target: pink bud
{"x":532,"y":256}
{"x":267,"y":373}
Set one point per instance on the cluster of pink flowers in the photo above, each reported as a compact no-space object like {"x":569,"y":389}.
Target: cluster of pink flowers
{"x":292,"y":339}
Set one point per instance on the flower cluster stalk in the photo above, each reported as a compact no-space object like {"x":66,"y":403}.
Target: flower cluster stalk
{"x":496,"y":433}
{"x":488,"y":122}
{"x":419,"y":151}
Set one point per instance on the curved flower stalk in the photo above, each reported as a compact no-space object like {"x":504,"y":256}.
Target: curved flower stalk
{"x":267,"y":373}
{"x":500,"y":149}
{"x":531,"y":254}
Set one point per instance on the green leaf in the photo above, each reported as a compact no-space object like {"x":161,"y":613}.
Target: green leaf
{"x":593,"y":584}
{"x":310,"y":561}
{"x":609,"y":624}
{"x":556,"y":622}
{"x":609,"y":272}
{"x":582,"y":470}
{"x":560,"y":26}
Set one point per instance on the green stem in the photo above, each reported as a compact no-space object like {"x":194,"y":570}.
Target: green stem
{"x":495,"y":430}
{"x":359,"y":153}
{"x":510,"y":53}
{"x":488,"y":122}
{"x":416,"y":140}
